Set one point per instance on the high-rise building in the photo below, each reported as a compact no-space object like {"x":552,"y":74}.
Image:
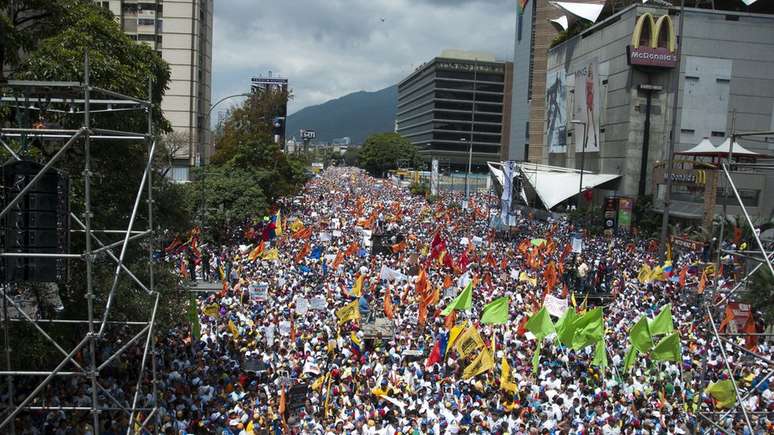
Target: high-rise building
{"x":181,"y":31}
{"x":534,"y":34}
{"x":455,"y":100}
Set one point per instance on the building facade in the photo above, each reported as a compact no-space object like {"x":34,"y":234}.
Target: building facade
{"x":453,"y":101}
{"x":615,"y":80}
{"x":181,"y":31}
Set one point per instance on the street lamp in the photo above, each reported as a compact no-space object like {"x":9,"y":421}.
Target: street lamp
{"x":470,"y":160}
{"x":583,"y":153}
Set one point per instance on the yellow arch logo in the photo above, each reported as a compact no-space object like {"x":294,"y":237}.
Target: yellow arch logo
{"x":653,"y":33}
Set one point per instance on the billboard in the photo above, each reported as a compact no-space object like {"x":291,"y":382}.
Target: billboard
{"x":625,"y":206}
{"x":556,"y":111}
{"x":587,"y":107}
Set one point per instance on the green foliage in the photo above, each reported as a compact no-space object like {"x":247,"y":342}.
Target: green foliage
{"x":230,"y":194}
{"x":760,"y":294}
{"x":384,"y":151}
{"x":52,"y":43}
{"x":352,"y":157}
{"x":576,"y":28}
{"x":590,"y":219}
{"x":648,"y":221}
{"x":419,"y":188}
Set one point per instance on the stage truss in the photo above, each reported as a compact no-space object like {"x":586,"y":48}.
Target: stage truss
{"x":82,"y":98}
{"x":715,"y":303}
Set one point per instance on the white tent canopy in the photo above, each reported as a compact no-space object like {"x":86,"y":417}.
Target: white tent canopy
{"x":589,"y":10}
{"x":553,"y":184}
{"x":705,"y":148}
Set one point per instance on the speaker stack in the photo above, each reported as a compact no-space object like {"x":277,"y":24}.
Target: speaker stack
{"x":38,"y":223}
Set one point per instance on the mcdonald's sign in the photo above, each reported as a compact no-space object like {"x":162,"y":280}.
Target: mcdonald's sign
{"x":653,"y":42}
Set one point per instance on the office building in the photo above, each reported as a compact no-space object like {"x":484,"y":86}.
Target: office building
{"x":181,"y":31}
{"x":455,"y":100}
{"x":615,"y":80}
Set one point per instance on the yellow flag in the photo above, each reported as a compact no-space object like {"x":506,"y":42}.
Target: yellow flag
{"x":296,"y":226}
{"x":482,"y":363}
{"x":348,"y":312}
{"x":250,"y":427}
{"x":572,"y":300}
{"x":469,"y":342}
{"x":318,"y":383}
{"x":455,"y":332}
{"x":278,"y":224}
{"x":505,"y":377}
{"x":657,"y":274}
{"x":644,"y":274}
{"x":212,"y":310}
{"x":233,"y":329}
{"x":357,"y":288}
{"x":271,"y":254}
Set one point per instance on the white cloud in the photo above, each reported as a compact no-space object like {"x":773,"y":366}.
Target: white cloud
{"x":331,"y":48}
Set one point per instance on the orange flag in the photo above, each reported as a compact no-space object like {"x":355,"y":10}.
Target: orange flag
{"x":448,"y":282}
{"x":422,"y":318}
{"x":292,"y":330}
{"x":450,"y":319}
{"x":399,"y":247}
{"x":550,"y":276}
{"x":683,"y":275}
{"x":388,"y":308}
{"x":303,"y":253}
{"x":702,"y":283}
{"x":306,"y":233}
{"x":337,"y":261}
{"x":524,"y":246}
{"x":490,"y":260}
{"x":352,"y":249}
{"x":255,"y":252}
{"x":422,"y":284}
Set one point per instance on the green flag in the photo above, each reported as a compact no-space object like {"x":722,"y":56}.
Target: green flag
{"x":668,"y":349}
{"x":540,"y":324}
{"x":639,"y":336}
{"x":662,"y":324}
{"x":536,"y":357}
{"x":600,"y":355}
{"x":462,"y":302}
{"x":193,"y":317}
{"x":631,"y":355}
{"x":589,"y":329}
{"x":723,"y":393}
{"x":565,"y":327}
{"x":496,"y":311}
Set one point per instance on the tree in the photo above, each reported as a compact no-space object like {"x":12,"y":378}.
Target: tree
{"x":51,"y":47}
{"x":384,"y":151}
{"x":761,"y":293}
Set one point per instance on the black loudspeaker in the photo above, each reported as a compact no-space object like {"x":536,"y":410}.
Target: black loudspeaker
{"x":38,"y":223}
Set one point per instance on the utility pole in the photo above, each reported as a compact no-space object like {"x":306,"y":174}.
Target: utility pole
{"x":673,"y":135}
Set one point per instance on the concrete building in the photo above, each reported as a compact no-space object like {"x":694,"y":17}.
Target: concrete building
{"x":534,"y":34}
{"x":454,"y":100}
{"x":181,"y":31}
{"x":616,"y":78}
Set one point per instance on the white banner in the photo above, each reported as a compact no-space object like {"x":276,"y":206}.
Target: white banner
{"x":302,"y":306}
{"x":318,"y":303}
{"x":555,"y":306}
{"x":391,"y":274}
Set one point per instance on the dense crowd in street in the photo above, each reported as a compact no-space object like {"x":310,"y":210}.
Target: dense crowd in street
{"x":286,"y":346}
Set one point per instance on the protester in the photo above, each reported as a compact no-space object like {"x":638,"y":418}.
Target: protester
{"x":303,"y":283}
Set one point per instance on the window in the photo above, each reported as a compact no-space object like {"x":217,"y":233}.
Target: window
{"x":687,"y":131}
{"x":146,"y":37}
{"x":146,"y":21}
{"x":718,"y":134}
{"x":722,"y":80}
{"x":178,"y":174}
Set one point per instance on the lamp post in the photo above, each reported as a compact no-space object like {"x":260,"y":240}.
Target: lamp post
{"x":202,"y":158}
{"x":583,"y":153}
{"x":470,"y":161}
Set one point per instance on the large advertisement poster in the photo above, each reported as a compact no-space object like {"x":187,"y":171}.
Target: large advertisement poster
{"x":505,"y":199}
{"x":556,"y":111}
{"x":625,"y":206}
{"x":587,"y":106}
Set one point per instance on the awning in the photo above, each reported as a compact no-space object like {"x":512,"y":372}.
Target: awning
{"x":588,"y":10}
{"x":554,"y":184}
{"x":705,"y":148}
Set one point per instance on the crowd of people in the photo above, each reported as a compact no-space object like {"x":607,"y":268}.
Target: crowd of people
{"x":331,"y":316}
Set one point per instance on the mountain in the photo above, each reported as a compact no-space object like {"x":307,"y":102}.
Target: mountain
{"x":356,"y":115}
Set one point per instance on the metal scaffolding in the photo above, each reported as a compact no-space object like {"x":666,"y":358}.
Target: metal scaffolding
{"x":714,"y":304}
{"x":83,"y":98}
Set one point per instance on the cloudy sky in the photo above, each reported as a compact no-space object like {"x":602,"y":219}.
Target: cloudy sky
{"x":329,"y":48}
